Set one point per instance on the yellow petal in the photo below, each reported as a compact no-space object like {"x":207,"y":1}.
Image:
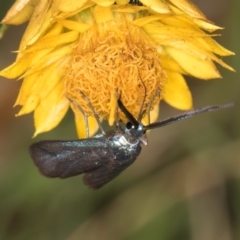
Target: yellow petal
{"x":191,"y":55}
{"x":60,"y":54}
{"x":122,"y":2}
{"x":93,"y":126}
{"x":196,"y":49}
{"x":75,"y":26}
{"x":22,"y":64}
{"x":156,"y":5}
{"x":51,"y":110}
{"x":211,"y":45}
{"x":104,"y":3}
{"x":200,"y":22}
{"x":208,"y":26}
{"x":64,"y":15}
{"x":176,"y":92}
{"x":38,"y":24}
{"x":153,"y":115}
{"x":185,"y":21}
{"x":178,"y":21}
{"x":20,"y":12}
{"x":34,"y":88}
{"x":102,"y":14}
{"x":29,"y":105}
{"x":17,"y":68}
{"x":161,"y":30}
{"x":113,"y":108}
{"x":28,"y":96}
{"x":55,"y":30}
{"x":54,"y":41}
{"x":200,"y":68}
{"x":189,"y":8}
{"x":68,"y":5}
{"x":80,"y":125}
{"x":145,"y":20}
{"x":169,"y":64}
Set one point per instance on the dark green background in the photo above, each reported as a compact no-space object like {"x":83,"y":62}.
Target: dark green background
{"x":185,"y":184}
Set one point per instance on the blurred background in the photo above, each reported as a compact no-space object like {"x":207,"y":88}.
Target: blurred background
{"x":185,"y":184}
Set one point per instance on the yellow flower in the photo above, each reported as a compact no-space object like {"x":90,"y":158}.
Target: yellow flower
{"x":107,"y":48}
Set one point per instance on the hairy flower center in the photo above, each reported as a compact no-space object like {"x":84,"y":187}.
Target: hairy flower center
{"x":114,"y":59}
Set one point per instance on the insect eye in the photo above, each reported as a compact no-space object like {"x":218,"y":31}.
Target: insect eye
{"x":129,"y":126}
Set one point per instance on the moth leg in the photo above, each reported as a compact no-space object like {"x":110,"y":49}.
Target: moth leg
{"x":141,"y":113}
{"x":150,"y":104}
{"x":84,"y":116}
{"x":94,"y":113}
{"x":117,"y":121}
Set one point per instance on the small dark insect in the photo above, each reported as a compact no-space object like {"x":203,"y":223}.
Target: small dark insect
{"x":103,"y":157}
{"x":135,"y":2}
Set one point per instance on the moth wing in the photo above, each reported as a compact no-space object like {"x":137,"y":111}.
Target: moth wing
{"x":69,"y":158}
{"x":100,"y":176}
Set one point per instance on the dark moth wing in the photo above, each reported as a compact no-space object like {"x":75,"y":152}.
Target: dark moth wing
{"x":65,"y":159}
{"x":68,"y":158}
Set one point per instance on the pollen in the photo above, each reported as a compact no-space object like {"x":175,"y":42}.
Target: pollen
{"x":114,"y":59}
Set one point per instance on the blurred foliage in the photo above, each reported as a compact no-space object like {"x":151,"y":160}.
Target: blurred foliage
{"x":3,"y":29}
{"x":185,"y":184}
{"x":4,"y":6}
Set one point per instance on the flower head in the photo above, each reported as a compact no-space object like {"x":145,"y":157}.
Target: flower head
{"x":108,"y":49}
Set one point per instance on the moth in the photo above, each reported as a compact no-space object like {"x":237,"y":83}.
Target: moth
{"x":105,"y":156}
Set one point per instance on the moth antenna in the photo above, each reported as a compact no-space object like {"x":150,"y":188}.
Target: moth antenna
{"x":94,"y":113}
{"x":187,"y":115}
{"x":84,"y":116}
{"x":151,"y":102}
{"x":129,"y":116}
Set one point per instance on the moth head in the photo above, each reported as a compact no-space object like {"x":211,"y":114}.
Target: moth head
{"x":137,"y":131}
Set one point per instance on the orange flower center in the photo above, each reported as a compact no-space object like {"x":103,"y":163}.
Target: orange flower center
{"x":114,"y":59}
